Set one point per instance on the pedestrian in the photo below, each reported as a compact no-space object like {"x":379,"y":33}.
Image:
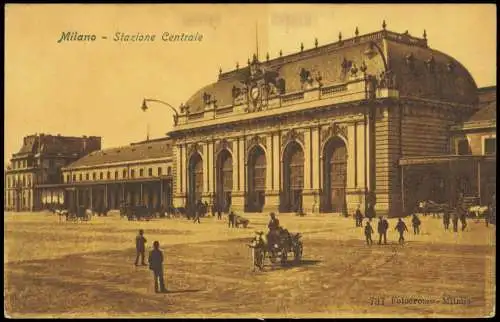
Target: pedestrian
{"x":368,"y":233}
{"x":219,"y":212}
{"x":156,"y":265}
{"x":446,"y":218}
{"x":455,"y":221}
{"x":230,"y":219}
{"x":401,"y":228}
{"x":140,"y":248}
{"x":197,"y":212}
{"x":213,"y":208}
{"x":415,"y":221}
{"x":463,"y":220}
{"x":359,"y":217}
{"x":370,"y":212}
{"x":383,"y":225}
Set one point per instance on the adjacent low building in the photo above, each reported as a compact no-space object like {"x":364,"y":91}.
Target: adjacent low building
{"x":138,"y":174}
{"x":469,"y":167}
{"x":33,"y":178}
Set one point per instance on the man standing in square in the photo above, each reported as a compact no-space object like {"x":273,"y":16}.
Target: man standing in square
{"x":140,"y":247}
{"x":156,"y":265}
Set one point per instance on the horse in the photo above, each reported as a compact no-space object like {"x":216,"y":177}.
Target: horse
{"x":429,"y":206}
{"x":478,"y":211}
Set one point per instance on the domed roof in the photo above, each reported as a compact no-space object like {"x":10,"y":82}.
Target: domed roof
{"x":418,"y":71}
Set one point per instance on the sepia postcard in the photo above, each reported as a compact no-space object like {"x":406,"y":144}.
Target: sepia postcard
{"x":250,"y":161}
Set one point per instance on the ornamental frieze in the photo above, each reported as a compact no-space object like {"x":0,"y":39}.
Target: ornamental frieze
{"x":291,"y":135}
{"x":333,"y":130}
{"x":255,"y":140}
{"x":193,"y":148}
{"x":223,"y":144}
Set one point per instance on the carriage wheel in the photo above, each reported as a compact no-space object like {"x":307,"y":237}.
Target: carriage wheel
{"x":297,"y":252}
{"x":273,"y":257}
{"x":284,"y":256}
{"x":259,"y":258}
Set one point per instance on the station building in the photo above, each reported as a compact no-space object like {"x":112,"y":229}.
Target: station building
{"x":331,"y":128}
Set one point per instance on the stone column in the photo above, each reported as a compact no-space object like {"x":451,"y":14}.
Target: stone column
{"x":308,"y":195}
{"x":362,"y":173}
{"x":238,"y":195}
{"x":273,"y":167}
{"x":352,"y":193}
{"x":180,"y":182}
{"x":272,"y":197}
{"x":211,"y":175}
{"x":316,"y":168}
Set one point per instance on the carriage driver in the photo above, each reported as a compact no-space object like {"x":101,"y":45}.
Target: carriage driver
{"x":274,"y":225}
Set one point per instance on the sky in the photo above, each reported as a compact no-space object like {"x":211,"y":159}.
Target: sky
{"x":96,"y":88}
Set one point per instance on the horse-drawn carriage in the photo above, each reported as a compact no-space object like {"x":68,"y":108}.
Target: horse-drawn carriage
{"x":278,"y":248}
{"x":136,"y":212}
{"x":77,"y":214}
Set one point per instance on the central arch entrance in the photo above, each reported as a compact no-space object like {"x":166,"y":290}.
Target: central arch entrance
{"x":224,"y":180}
{"x":334,"y":175}
{"x":293,"y":178}
{"x":256,"y":180}
{"x":195,"y":170}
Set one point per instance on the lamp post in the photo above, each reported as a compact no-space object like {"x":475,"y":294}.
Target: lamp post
{"x":144,"y":107}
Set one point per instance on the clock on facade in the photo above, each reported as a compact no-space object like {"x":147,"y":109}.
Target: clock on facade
{"x":255,"y":92}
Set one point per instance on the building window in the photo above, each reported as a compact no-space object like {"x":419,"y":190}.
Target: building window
{"x":132,"y":173}
{"x":109,"y":175}
{"x":81,"y":177}
{"x":141,"y":172}
{"x":150,"y":172}
{"x":8,"y":182}
{"x":67,"y":178}
{"x":124,"y":174}
{"x":51,"y":163}
{"x":490,"y":146}
{"x":169,"y":171}
{"x":74,"y":177}
{"x":463,"y":147}
{"x":87,"y":177}
{"x":101,"y":176}
{"x":93,"y":176}
{"x":159,"y":171}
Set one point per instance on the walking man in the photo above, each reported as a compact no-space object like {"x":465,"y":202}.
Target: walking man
{"x":415,"y":221}
{"x":383,"y":225}
{"x":463,"y":220}
{"x":140,"y":247}
{"x":368,"y":233}
{"x":455,"y":221}
{"x":197,"y":212}
{"x":401,"y":228}
{"x":446,"y":218}
{"x":230,"y":219}
{"x":156,"y":265}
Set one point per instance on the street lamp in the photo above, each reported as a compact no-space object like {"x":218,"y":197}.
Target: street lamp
{"x":144,"y":107}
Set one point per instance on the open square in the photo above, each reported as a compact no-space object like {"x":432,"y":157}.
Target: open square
{"x":86,"y":269}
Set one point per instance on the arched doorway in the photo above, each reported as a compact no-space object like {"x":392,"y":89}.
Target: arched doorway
{"x":224,"y":180}
{"x":293,"y":178}
{"x":334,"y":175}
{"x":256,"y":180}
{"x":195,"y":171}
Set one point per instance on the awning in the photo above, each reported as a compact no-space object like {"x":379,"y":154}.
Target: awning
{"x":441,"y":159}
